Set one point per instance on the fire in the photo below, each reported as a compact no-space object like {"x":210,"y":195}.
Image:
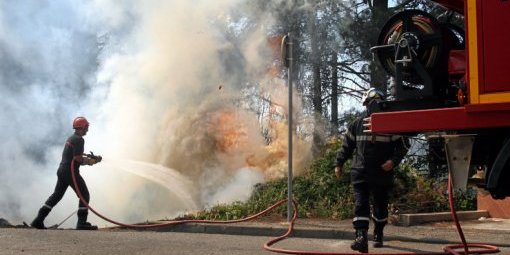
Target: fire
{"x":229,"y":133}
{"x":235,"y":143}
{"x":218,"y":140}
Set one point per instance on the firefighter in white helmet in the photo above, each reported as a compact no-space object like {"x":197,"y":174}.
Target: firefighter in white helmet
{"x":374,"y":158}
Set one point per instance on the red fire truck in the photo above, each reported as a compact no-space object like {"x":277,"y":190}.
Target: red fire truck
{"x":452,"y":83}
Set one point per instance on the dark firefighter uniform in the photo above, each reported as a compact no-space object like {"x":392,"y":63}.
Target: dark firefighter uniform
{"x":370,"y":152}
{"x":73,"y":148}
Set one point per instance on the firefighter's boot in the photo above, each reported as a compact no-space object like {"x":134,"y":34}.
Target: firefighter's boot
{"x":82,"y":220}
{"x":378,"y":236}
{"x":361,"y":241}
{"x":38,"y":222}
{"x":85,"y":226}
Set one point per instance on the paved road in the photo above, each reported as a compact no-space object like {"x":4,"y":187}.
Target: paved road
{"x":31,"y":241}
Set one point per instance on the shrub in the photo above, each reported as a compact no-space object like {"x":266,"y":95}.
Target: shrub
{"x":320,"y":194}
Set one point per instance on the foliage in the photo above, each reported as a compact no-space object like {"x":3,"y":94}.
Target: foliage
{"x":320,"y":194}
{"x":417,"y":194}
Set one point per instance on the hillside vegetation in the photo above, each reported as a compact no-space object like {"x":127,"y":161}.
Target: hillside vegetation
{"x":320,"y":194}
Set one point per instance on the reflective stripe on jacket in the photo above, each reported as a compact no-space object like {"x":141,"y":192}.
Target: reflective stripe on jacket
{"x":370,"y":152}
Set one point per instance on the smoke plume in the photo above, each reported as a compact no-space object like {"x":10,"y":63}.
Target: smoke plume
{"x":164,"y":85}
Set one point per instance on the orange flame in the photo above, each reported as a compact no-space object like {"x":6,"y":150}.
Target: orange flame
{"x":229,"y":133}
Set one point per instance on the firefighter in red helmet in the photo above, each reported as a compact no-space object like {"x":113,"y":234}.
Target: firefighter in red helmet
{"x":374,"y":156}
{"x":73,"y":150}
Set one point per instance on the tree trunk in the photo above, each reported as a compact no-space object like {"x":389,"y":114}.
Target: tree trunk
{"x":334,"y":94}
{"x":318,"y":134}
{"x":316,"y":68}
{"x":377,"y":75}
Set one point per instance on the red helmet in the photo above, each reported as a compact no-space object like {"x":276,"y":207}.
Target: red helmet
{"x":80,"y":123}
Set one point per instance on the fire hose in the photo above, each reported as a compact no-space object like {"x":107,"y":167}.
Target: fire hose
{"x":448,"y":250}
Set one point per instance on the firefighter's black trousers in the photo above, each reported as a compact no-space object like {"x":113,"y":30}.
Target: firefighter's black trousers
{"x":380,"y":195}
{"x":65,"y":180}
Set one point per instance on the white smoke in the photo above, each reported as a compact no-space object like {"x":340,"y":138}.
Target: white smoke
{"x":47,"y":68}
{"x":146,"y":74}
{"x":236,"y":188}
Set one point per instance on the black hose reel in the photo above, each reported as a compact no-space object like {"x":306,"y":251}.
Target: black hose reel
{"x":413,"y":48}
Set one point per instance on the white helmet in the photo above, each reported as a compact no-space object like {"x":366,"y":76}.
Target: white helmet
{"x":370,"y":95}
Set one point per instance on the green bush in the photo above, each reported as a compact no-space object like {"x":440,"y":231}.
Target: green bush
{"x":417,"y":194}
{"x":320,"y":194}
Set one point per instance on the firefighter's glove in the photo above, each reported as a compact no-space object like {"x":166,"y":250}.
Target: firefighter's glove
{"x":89,"y":161}
{"x":92,"y":161}
{"x":388,"y":165}
{"x":338,"y":172}
{"x":97,"y":158}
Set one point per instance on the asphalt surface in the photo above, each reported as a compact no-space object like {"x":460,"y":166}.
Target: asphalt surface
{"x":484,"y":230}
{"x":325,"y":235}
{"x":116,"y":241}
